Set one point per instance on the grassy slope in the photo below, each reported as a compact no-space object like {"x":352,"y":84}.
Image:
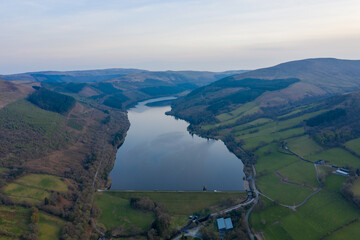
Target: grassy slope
{"x":323,"y":213}
{"x":348,"y":232}
{"x":34,"y":131}
{"x":34,"y":187}
{"x":273,"y":163}
{"x":49,"y":226}
{"x":337,"y":156}
{"x":303,"y":146}
{"x":354,"y":145}
{"x":14,"y":220}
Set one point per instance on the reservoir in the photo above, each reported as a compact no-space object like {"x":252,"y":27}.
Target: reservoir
{"x":160,"y":154}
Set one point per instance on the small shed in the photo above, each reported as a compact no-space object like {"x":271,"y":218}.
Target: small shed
{"x":224,"y":224}
{"x":341,"y":172}
{"x":228,"y":224}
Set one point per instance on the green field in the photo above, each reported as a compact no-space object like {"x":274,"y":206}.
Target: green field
{"x":116,"y":210}
{"x":14,"y":220}
{"x":245,"y":108}
{"x":349,"y":232}
{"x":274,"y":130}
{"x":253,"y":140}
{"x":354,"y":145}
{"x":288,"y":194}
{"x":356,"y":187}
{"x":267,"y":215}
{"x":300,"y":172}
{"x":323,"y":213}
{"x":334,"y":182}
{"x":269,"y":159}
{"x":34,"y":187}
{"x":273,"y":164}
{"x":338,"y":157}
{"x":303,"y":146}
{"x":49,"y":226}
{"x":183,"y":203}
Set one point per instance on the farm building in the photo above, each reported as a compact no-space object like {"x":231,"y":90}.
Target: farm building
{"x":224,"y":224}
{"x":341,"y":172}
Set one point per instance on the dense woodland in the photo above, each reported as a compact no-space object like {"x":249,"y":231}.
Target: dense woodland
{"x":52,"y":101}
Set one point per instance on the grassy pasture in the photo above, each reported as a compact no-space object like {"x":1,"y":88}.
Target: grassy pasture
{"x":324,"y":213}
{"x":116,"y":210}
{"x":289,"y":194}
{"x":34,"y":187}
{"x":269,"y":159}
{"x":257,"y":122}
{"x":44,"y":181}
{"x":237,"y":112}
{"x":337,"y":156}
{"x":354,"y":145}
{"x":20,"y":192}
{"x":183,"y":203}
{"x":300,"y":172}
{"x":49,"y":226}
{"x":267,"y":215}
{"x":273,"y":130}
{"x":348,"y":232}
{"x":303,"y":146}
{"x":14,"y":220}
{"x":267,"y":136}
{"x":334,"y":182}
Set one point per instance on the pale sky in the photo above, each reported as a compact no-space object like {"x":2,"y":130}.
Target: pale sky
{"x":212,"y":35}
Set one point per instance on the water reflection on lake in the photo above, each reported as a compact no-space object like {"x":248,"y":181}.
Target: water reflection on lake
{"x":160,"y":154}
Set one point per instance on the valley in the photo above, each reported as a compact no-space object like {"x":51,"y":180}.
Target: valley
{"x":67,"y":140}
{"x":284,"y":142}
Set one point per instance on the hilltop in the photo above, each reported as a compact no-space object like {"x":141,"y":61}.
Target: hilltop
{"x":317,"y":78}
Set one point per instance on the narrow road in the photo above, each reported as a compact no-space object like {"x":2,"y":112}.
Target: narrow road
{"x":306,"y":199}
{"x":191,"y":233}
{"x":256,"y":199}
{"x":101,"y":159}
{"x":233,"y":208}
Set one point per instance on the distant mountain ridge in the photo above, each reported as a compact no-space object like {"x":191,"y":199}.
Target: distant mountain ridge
{"x":119,"y":75}
{"x":71,"y":76}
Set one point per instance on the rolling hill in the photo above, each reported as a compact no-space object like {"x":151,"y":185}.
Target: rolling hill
{"x":119,"y":88}
{"x":198,"y":78}
{"x":10,"y":92}
{"x":71,"y":76}
{"x":318,"y":78}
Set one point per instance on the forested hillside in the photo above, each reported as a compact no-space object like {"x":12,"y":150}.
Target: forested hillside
{"x":293,"y":140}
{"x":52,"y":101}
{"x":318,"y":78}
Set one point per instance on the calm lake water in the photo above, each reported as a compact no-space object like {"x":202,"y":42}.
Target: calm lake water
{"x":160,"y":154}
